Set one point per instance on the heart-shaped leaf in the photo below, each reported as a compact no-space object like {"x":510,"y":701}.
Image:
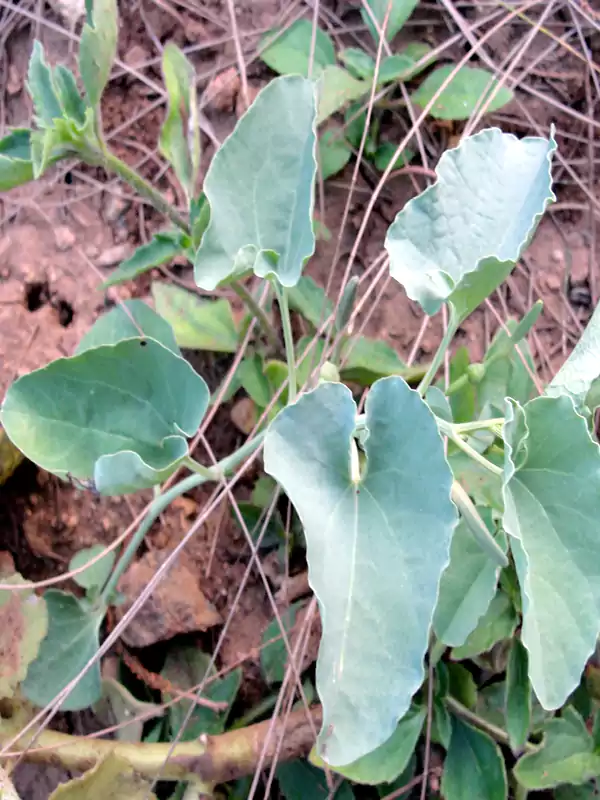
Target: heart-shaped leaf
{"x":260,"y":187}
{"x":474,"y":766}
{"x":467,"y":587}
{"x":23,"y":625}
{"x":118,"y":414}
{"x":399,"y":12}
{"x":552,"y":507}
{"x":71,"y":641}
{"x":582,"y":367}
{"x":377,"y":545}
{"x":460,"y":238}
{"x":129,"y":320}
{"x":98,"y":47}
{"x":467,"y":92}
{"x":159,"y":250}
{"x":289,"y":54}
{"x":566,"y":755}
{"x":198,"y":323}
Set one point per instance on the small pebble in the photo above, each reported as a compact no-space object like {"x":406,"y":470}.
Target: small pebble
{"x":114,"y":255}
{"x":64,"y":238}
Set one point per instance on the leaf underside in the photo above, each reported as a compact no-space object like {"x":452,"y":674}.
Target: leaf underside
{"x":375,"y":548}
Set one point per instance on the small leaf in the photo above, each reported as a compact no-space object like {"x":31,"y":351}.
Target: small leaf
{"x":274,"y":656}
{"x":117,"y":705}
{"x":62,"y":416}
{"x":129,"y":320}
{"x":290,"y":52}
{"x":186,"y":667}
{"x":566,"y":755}
{"x":334,"y":152}
{"x":582,"y":367}
{"x":41,"y":88}
{"x":355,"y":124}
{"x":260,"y":189}
{"x":498,"y":622}
{"x":552,"y":500}
{"x":71,"y":101}
{"x":254,"y":381}
{"x":98,"y":48}
{"x":23,"y":625}
{"x":199,"y":218}
{"x":347,"y":520}
{"x":435,"y":258}
{"x":386,"y":152}
{"x":254,"y":519}
{"x":367,"y":360}
{"x":71,"y":641}
{"x":198,"y":323}
{"x":474,"y":766}
{"x":391,"y":758}
{"x":467,"y":587}
{"x":179,"y":139}
{"x":310,"y":300}
{"x":467,"y":92}
{"x":407,"y":64}
{"x":159,"y":250}
{"x":336,"y":88}
{"x":299,"y":780}
{"x":96,"y":575}
{"x":518,"y":697}
{"x":359,"y":63}
{"x":16,"y":166}
{"x":399,"y":12}
{"x":505,"y":374}
{"x":113,"y":778}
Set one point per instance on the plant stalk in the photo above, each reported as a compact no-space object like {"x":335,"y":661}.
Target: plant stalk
{"x":288,"y":338}
{"x":499,"y":734}
{"x":448,"y":430}
{"x":261,"y":315}
{"x":219,"y":471}
{"x":209,"y":759}
{"x":453,"y":324}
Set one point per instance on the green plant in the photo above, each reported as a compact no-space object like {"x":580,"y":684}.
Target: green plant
{"x":459,"y":92}
{"x":478,"y":558}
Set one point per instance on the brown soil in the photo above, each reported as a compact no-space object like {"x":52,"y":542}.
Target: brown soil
{"x":59,"y":240}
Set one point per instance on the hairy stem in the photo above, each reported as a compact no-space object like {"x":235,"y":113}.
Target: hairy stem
{"x":453,"y":324}
{"x":288,"y":338}
{"x":209,"y":759}
{"x":499,"y":734}
{"x":260,"y":314}
{"x":223,"y":468}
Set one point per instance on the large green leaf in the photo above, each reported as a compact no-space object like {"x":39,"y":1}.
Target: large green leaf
{"x":518,"y":697}
{"x":460,"y":238}
{"x":474,"y":767}
{"x":566,"y":755}
{"x":336,"y":88}
{"x":117,"y":414}
{"x":159,"y":250}
{"x":290,"y":52}
{"x":129,"y":320}
{"x":391,"y":758}
{"x":399,"y":12}
{"x":23,"y":625}
{"x":582,"y":367}
{"x":377,"y":545}
{"x":179,"y":140}
{"x":467,"y":587}
{"x":98,"y":48}
{"x":16,"y":166}
{"x":198,"y":323}
{"x":467,"y":91}
{"x":71,"y":641}
{"x":552,"y":507}
{"x":260,"y":189}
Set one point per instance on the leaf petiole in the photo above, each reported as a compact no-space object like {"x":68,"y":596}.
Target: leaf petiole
{"x":453,"y":324}
{"x":449,"y":430}
{"x":288,"y":338}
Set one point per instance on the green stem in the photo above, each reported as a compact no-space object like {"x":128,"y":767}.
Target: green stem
{"x":499,"y":734}
{"x":477,"y":526}
{"x":453,"y":324}
{"x":145,"y":189}
{"x":282,"y":299}
{"x":448,"y":429}
{"x":260,"y":314}
{"x":478,"y":425}
{"x":220,"y":470}
{"x":200,"y":469}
